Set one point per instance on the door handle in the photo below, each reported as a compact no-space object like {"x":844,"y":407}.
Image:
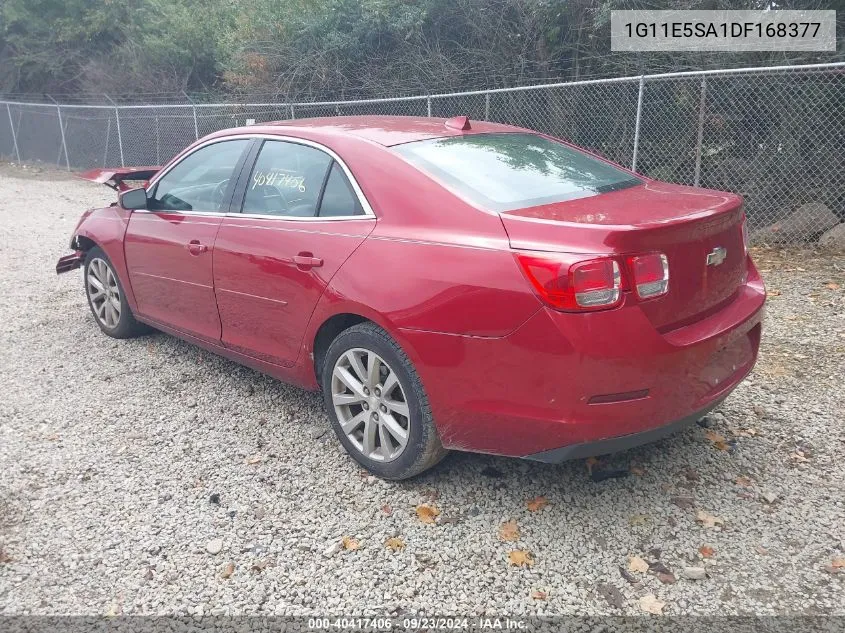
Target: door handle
{"x":306,"y":260}
{"x":195,"y":247}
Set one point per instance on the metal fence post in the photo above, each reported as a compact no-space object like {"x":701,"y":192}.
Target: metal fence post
{"x":194,"y":108}
{"x":119,"y":136}
{"x":12,"y":127}
{"x":487,"y":106}
{"x":428,"y":106}
{"x":106,"y":151}
{"x":62,"y":131}
{"x":637,"y":124}
{"x":698,"y":147}
{"x":292,"y":112}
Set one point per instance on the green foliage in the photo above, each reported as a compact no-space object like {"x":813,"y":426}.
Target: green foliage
{"x":167,"y":46}
{"x":45,"y":42}
{"x":328,"y":48}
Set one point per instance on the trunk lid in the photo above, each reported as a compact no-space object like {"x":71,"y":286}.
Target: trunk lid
{"x":684,"y":223}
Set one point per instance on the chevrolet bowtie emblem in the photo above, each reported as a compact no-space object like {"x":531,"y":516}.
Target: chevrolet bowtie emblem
{"x":716,"y":256}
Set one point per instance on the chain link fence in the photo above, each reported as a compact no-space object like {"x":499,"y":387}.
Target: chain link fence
{"x":776,"y":135}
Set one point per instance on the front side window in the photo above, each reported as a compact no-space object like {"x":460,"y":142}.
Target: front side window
{"x":286,"y":180}
{"x":200,"y":181}
{"x":502,"y":172}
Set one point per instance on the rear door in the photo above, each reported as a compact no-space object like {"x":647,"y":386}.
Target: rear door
{"x":168,"y":245}
{"x":302,"y":217}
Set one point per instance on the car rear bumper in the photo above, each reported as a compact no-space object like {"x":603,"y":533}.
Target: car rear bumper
{"x":621,"y":443}
{"x":572,"y":381}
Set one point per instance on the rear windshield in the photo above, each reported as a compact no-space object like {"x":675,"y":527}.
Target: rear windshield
{"x":501,"y":172}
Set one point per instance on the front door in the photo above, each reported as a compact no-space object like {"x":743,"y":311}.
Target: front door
{"x":169,"y":245}
{"x":301,"y":219}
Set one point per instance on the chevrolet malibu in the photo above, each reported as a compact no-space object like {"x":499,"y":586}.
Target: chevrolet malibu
{"x":447,"y":284}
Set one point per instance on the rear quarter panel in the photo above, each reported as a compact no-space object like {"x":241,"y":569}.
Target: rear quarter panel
{"x":434,"y":286}
{"x":433,"y":265}
{"x":432,"y":262}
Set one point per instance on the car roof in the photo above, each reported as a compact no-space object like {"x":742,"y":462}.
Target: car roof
{"x":384,"y":130}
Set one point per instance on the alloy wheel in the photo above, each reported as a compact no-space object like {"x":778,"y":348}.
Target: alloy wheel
{"x":370,"y":404}
{"x":103,"y":292}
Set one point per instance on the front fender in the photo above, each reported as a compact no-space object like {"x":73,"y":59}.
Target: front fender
{"x":106,"y":228}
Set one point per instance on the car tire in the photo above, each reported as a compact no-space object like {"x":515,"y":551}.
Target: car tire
{"x":106,"y":297}
{"x":382,"y":414}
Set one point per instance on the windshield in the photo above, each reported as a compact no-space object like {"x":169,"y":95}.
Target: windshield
{"x":502,"y":172}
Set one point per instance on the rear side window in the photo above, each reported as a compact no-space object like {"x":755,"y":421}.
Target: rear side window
{"x":286,"y":180}
{"x":501,"y":172}
{"x":338,"y":197}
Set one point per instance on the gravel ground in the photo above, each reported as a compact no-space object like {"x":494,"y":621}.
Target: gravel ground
{"x":148,"y":476}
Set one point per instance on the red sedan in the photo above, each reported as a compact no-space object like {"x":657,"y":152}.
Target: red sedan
{"x":447,"y":284}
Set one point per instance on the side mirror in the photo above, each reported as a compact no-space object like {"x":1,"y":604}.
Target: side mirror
{"x":133,"y":198}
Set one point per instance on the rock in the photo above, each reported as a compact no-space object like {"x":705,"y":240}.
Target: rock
{"x":694,"y":573}
{"x":611,"y":594}
{"x":691,"y":475}
{"x":332,"y":549}
{"x":683,"y":502}
{"x":316,"y":432}
{"x":650,"y":604}
{"x":658,"y":568}
{"x":834,"y":239}
{"x":424,"y":560}
{"x":806,"y":221}
{"x":770,"y":497}
{"x":628,"y":576}
{"x":214,"y":546}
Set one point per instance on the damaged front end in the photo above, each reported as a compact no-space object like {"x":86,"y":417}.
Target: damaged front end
{"x":77,"y":257}
{"x":118,"y":178}
{"x":70,"y":262}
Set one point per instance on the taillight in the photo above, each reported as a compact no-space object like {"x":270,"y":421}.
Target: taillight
{"x":594,"y":284}
{"x":650,"y":274}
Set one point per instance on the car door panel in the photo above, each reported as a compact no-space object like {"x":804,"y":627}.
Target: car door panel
{"x":171,"y":284}
{"x":269,"y":275}
{"x":168,"y":246}
{"x":273,"y":261}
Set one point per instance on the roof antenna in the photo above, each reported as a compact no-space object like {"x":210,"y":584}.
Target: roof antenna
{"x":458,"y":123}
